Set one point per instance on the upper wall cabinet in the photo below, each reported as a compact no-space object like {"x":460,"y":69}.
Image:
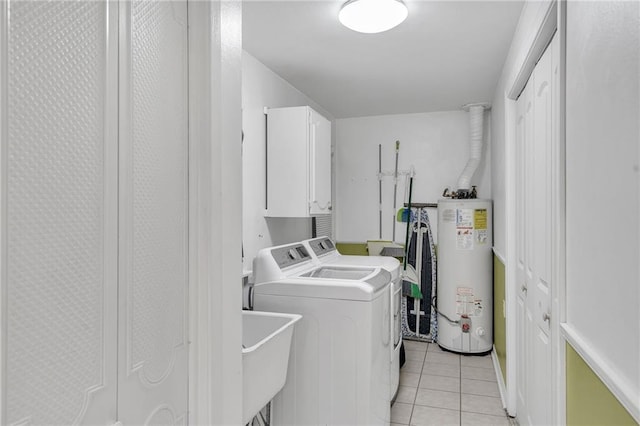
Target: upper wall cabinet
{"x":298,"y":163}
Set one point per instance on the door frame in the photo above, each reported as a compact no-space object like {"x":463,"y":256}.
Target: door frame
{"x":550,"y":19}
{"x":215,"y":219}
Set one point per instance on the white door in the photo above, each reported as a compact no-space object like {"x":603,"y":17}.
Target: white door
{"x":58,"y":89}
{"x":535,"y":138}
{"x":94,"y":268}
{"x":153,"y":299}
{"x":524,"y":107}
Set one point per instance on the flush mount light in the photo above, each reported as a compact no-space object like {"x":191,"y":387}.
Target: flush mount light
{"x":372,"y":16}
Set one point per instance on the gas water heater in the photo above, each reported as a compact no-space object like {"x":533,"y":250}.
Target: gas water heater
{"x":465,"y":275}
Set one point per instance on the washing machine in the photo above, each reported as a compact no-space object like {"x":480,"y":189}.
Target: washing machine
{"x":324,"y":251}
{"x":338,"y":370}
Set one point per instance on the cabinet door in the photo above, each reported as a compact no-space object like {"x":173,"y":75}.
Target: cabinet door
{"x":58,"y":85}
{"x":153,"y":370}
{"x":298,"y":163}
{"x":320,"y":164}
{"x":287,"y":162}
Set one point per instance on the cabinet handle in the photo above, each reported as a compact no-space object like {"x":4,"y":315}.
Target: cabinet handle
{"x":546,"y":317}
{"x":325,"y":206}
{"x":523,"y":288}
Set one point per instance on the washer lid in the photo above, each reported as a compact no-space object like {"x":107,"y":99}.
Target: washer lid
{"x":339,"y":273}
{"x":390,"y":264}
{"x":323,"y":249}
{"x":321,"y":288}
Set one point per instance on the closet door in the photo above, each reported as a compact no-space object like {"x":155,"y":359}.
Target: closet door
{"x":153,"y":369}
{"x":524,"y":317}
{"x":536,"y":136}
{"x":58,"y":124}
{"x":540,"y":283}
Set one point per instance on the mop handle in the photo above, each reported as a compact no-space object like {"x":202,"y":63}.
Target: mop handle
{"x":395,"y":191}
{"x":380,"y":190}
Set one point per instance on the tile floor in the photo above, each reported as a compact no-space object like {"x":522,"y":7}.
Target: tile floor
{"x":442,"y":388}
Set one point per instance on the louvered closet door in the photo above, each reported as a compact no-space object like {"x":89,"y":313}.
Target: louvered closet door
{"x":58,"y":118}
{"x":153,"y":369}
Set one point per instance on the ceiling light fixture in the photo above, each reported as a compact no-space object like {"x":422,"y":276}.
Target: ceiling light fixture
{"x":372,"y":16}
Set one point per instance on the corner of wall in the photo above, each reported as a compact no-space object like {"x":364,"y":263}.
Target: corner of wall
{"x":499,"y":319}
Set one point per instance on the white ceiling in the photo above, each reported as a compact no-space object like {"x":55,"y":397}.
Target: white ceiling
{"x":446,"y":54}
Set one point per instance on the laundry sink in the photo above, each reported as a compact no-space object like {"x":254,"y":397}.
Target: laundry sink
{"x":266,"y":341}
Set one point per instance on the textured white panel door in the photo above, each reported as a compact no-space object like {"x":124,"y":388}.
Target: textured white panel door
{"x":536,"y":129}
{"x":58,"y":88}
{"x":153,"y":369}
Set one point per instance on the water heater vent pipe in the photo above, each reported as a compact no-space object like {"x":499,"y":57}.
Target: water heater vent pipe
{"x":476,"y":118}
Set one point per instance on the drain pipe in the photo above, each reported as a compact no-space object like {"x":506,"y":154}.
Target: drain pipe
{"x":476,"y":119}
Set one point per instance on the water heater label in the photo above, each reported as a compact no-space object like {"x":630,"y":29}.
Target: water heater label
{"x":464,"y":218}
{"x":467,"y":303}
{"x":464,"y":229}
{"x":464,"y":239}
{"x":480,"y":223}
{"x":449,"y":215}
{"x":480,"y":218}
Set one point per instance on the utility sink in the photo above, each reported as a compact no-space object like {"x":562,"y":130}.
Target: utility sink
{"x":266,"y":341}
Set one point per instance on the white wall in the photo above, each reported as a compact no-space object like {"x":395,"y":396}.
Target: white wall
{"x":261,"y":88}
{"x":603,"y":191}
{"x":436,"y":144}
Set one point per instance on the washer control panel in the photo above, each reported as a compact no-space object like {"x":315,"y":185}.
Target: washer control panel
{"x":290,"y":255}
{"x":322,"y":246}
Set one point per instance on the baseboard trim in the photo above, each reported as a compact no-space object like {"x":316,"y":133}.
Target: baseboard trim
{"x":500,"y":379}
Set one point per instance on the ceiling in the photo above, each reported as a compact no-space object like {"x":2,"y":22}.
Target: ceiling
{"x":446,"y":54}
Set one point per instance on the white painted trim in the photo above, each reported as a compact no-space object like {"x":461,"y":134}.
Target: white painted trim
{"x":215,"y":295}
{"x":613,"y":379}
{"x":200,"y":376}
{"x":540,"y":42}
{"x":499,"y":378}
{"x":111,"y":213}
{"x":4,"y":59}
{"x":510,"y":288}
{"x":125,"y":190}
{"x":499,"y":255}
{"x":558,"y":243}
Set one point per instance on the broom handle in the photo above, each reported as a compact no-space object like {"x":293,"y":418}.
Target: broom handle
{"x":406,"y":238}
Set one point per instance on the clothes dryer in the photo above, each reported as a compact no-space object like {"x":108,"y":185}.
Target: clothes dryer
{"x":339,"y":363}
{"x":324,"y":252}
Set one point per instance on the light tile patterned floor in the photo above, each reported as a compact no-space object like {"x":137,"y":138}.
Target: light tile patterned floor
{"x":442,"y":388}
